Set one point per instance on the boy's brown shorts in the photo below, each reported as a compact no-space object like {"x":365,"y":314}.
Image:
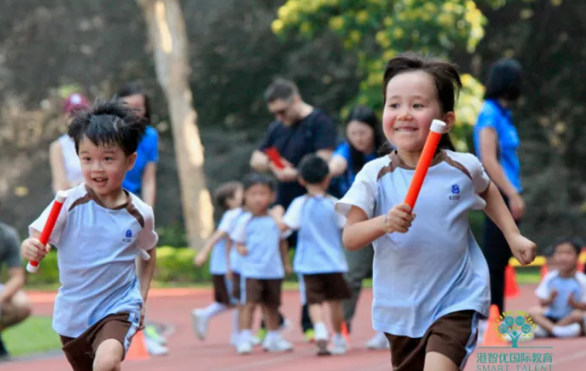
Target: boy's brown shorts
{"x":325,"y":287}
{"x":236,"y":292}
{"x":453,"y":335}
{"x":81,"y":351}
{"x":221,"y":293}
{"x":266,"y":292}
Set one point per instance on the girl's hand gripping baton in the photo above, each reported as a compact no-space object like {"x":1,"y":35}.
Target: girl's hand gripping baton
{"x":33,"y":267}
{"x":437,"y":129}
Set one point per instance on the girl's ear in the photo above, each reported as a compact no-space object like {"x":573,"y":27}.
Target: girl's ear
{"x":450,"y":119}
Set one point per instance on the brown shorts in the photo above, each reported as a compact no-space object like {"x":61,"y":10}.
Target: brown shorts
{"x":221,"y":293}
{"x":236,"y":292}
{"x":266,"y":292}
{"x":81,"y":351}
{"x":325,"y":287}
{"x":453,"y":335}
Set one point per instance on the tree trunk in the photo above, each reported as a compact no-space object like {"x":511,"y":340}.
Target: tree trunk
{"x":166,"y":28}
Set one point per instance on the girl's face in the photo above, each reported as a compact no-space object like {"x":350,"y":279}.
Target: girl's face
{"x":136,"y":103}
{"x":412,"y":104}
{"x":361,"y":136}
{"x":236,"y":200}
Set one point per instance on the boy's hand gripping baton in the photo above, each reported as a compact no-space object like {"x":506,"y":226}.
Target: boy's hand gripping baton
{"x":32,"y":266}
{"x":437,"y":129}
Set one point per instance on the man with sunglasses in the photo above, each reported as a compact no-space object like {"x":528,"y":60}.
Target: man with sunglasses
{"x":299,"y":129}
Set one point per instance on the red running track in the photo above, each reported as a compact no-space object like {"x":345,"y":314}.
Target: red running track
{"x":187,"y":353}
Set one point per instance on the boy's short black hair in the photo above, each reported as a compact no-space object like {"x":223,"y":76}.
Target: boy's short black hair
{"x":225,"y":192}
{"x":252,"y":179}
{"x":108,"y":123}
{"x":313,"y":169}
{"x":574,"y":242}
{"x":505,"y":80}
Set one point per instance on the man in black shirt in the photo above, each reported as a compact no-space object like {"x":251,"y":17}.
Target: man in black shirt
{"x":299,"y":130}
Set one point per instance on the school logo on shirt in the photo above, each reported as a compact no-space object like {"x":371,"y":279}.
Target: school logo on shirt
{"x":128,"y":237}
{"x":455,"y":196}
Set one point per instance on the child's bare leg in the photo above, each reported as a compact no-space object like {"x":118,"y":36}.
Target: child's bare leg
{"x":316,"y":313}
{"x":337,"y":315}
{"x":247,"y":314}
{"x":271,"y":314}
{"x":435,"y":361}
{"x":538,"y":316}
{"x":109,"y":356}
{"x":577,"y":316}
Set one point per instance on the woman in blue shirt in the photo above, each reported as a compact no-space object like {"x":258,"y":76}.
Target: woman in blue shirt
{"x":141,"y":179}
{"x":364,"y":139}
{"x":496,"y":142}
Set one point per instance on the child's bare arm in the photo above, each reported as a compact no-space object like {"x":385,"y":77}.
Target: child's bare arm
{"x":361,"y":231}
{"x":284,"y":247}
{"x":145,"y":270}
{"x":202,"y":256}
{"x":522,"y":248}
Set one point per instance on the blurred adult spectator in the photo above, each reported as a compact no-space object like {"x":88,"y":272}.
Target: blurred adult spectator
{"x":14,"y":304}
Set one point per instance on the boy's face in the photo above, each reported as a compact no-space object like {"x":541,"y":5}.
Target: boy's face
{"x":104,"y":168}
{"x":258,"y":197}
{"x":565,"y":257}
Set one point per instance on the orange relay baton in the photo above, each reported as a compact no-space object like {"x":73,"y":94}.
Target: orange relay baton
{"x":437,"y":129}
{"x":33,"y":267}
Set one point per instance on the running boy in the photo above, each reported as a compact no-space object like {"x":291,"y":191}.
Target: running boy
{"x":319,"y":257}
{"x":561,"y":294}
{"x":229,"y":197}
{"x":430,"y":279}
{"x":99,"y":234}
{"x":263,"y":267}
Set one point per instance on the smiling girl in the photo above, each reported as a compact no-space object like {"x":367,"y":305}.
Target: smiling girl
{"x":430,"y":279}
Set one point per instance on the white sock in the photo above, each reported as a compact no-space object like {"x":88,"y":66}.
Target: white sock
{"x":214,"y":309}
{"x":321,"y":330}
{"x":235,"y":319}
{"x":245,"y":335}
{"x":568,"y":331}
{"x":273,"y":336}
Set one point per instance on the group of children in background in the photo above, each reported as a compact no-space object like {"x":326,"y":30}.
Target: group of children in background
{"x":250,"y":259}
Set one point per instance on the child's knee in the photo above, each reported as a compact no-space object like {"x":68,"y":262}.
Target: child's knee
{"x":109,"y":356}
{"x":535,"y":311}
{"x":577,"y":316}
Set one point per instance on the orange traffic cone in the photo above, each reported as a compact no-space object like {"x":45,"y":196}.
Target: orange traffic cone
{"x":543,"y":270}
{"x":138,"y":350}
{"x":492,"y":336}
{"x":511,"y":288}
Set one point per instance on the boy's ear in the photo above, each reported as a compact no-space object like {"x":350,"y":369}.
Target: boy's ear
{"x":301,"y":181}
{"x":450,"y":120}
{"x":131,"y":161}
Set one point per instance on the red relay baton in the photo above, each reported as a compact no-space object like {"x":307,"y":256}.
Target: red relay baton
{"x":32,"y":266}
{"x":437,"y":129}
{"x":275,"y":157}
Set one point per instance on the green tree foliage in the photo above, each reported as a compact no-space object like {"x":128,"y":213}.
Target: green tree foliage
{"x":377,"y":30}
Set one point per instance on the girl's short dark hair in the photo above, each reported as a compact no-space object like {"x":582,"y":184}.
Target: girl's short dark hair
{"x":368,"y":117}
{"x":505,"y":80}
{"x":136,"y":88}
{"x":252,"y":179}
{"x":108,"y":123}
{"x":225,"y":192}
{"x":445,"y":74}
